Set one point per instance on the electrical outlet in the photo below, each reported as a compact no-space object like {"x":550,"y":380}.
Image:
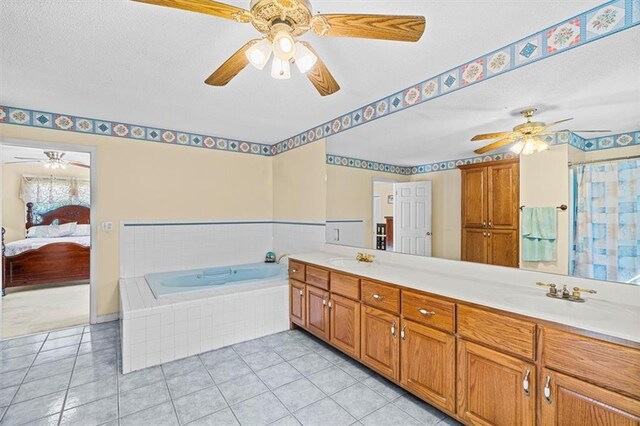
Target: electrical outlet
{"x":107,"y":226}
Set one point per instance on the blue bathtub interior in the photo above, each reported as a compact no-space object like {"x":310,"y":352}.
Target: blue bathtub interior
{"x":169,"y":283}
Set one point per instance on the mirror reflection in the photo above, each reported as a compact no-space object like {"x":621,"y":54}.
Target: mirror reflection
{"x":559,"y":192}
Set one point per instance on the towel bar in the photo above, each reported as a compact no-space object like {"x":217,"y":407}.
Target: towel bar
{"x":562,"y":207}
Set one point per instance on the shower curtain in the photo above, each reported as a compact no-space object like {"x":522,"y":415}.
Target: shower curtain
{"x":606,"y":224}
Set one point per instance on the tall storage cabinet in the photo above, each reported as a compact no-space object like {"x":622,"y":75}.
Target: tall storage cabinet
{"x":490,"y":212}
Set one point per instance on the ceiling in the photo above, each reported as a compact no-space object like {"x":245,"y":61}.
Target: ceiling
{"x":597,"y":84}
{"x":10,"y":152}
{"x":125,"y":61}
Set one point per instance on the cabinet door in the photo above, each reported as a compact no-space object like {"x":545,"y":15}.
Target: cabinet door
{"x":380,"y":346}
{"x":296,"y":303}
{"x":493,"y":388}
{"x":474,"y":197}
{"x":503,"y":196}
{"x":475,"y":245}
{"x":569,"y":401}
{"x":503,"y":247}
{"x":317,"y":312}
{"x":428,"y":362}
{"x":345,"y":324}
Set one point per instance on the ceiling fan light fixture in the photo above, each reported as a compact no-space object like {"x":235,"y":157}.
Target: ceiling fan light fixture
{"x":305,"y":59}
{"x":280,"y":69}
{"x":284,"y":46}
{"x":259,"y":54}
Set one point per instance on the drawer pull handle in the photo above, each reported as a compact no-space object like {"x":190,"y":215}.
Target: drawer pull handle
{"x":393,"y":329}
{"x":425,"y":312}
{"x":403,"y":335}
{"x":324,"y":302}
{"x":378,"y":297}
{"x":330,"y":304}
{"x":525,"y":383}
{"x":547,"y":390}
{"x":301,"y":293}
{"x":293,"y":270}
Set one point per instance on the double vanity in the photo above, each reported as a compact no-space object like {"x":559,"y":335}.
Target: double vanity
{"x":484,"y":348}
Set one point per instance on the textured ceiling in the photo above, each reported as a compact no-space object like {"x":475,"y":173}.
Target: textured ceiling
{"x":125,"y":61}
{"x":10,"y":152}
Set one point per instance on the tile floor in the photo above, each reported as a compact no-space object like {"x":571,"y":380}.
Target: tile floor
{"x":72,"y":376}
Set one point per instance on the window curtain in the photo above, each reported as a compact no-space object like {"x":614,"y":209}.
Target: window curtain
{"x":607,"y":221}
{"x":49,"y":192}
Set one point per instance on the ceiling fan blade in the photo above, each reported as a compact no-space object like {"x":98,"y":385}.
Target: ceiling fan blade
{"x":29,"y":158}
{"x":74,"y":163}
{"x":21,"y":162}
{"x":221,"y":10}
{"x":495,"y":145}
{"x":591,"y":131}
{"x":232,"y":66}
{"x":558,"y":122}
{"x":382,"y":27}
{"x":320,"y":76}
{"x":491,"y":136}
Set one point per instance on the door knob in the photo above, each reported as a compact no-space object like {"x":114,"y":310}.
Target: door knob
{"x":429,"y":234}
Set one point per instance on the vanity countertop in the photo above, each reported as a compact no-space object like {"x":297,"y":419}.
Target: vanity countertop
{"x":597,"y":314}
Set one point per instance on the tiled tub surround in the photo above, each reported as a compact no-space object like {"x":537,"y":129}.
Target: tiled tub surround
{"x":157,"y":331}
{"x":72,"y":377}
{"x":147,"y":247}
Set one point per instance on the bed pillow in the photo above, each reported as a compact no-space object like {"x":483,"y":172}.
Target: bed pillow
{"x":40,"y":231}
{"x":82,"y":231}
{"x":66,"y":229}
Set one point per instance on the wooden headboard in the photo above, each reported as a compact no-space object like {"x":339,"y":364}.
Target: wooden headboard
{"x":64,"y":214}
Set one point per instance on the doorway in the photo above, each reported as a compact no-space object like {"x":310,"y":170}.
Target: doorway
{"x":48,"y":259}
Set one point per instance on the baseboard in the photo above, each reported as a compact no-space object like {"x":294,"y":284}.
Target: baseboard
{"x":109,"y":317}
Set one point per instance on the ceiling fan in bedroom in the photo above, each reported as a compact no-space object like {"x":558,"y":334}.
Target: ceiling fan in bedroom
{"x":525,"y":137}
{"x":53,"y":161}
{"x":281,"y":22}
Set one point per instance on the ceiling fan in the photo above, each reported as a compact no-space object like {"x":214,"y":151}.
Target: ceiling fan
{"x":281,"y":22}
{"x":526,"y":135}
{"x":53,"y":161}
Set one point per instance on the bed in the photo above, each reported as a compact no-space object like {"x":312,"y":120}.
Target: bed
{"x":35,"y":261}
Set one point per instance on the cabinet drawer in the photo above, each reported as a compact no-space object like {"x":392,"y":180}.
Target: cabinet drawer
{"x":380,"y":296}
{"x":345,"y":285}
{"x":428,"y":310}
{"x":497,"y":330}
{"x":607,"y":364}
{"x":317,"y":277}
{"x":296,"y":270}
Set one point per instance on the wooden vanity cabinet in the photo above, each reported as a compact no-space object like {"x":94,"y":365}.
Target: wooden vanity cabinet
{"x":570,"y":401}
{"x":297,"y":305}
{"x":380,"y":346}
{"x":494,"y":388}
{"x":317,"y":321}
{"x":428,"y":364}
{"x":345,"y":324}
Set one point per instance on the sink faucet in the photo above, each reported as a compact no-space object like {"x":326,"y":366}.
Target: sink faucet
{"x":364,"y":257}
{"x":280,"y":258}
{"x":574,"y":296}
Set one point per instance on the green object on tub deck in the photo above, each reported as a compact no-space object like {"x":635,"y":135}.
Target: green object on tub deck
{"x":539,"y":234}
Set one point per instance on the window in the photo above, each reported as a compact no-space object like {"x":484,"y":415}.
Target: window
{"x":49,"y":192}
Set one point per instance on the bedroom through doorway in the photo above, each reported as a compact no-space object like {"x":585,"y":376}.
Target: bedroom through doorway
{"x":46,"y":239}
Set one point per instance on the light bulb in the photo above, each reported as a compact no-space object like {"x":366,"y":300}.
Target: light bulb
{"x":280,"y":69}
{"x":259,"y":53}
{"x":305,"y":58}
{"x":517,"y":148}
{"x":542,"y":146}
{"x":283,"y":45}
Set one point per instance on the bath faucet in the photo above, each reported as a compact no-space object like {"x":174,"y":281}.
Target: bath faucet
{"x":280,"y":258}
{"x":364,"y":257}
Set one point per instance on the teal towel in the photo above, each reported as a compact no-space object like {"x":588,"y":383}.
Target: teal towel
{"x":539,"y":234}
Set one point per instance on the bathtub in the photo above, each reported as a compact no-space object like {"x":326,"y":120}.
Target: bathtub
{"x":173,"y":315}
{"x":170,"y":283}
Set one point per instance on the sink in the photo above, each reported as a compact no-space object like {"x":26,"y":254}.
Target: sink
{"x":345,"y":261}
{"x":591,"y":308}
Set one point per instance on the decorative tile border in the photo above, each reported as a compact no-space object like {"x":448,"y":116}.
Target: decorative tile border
{"x":601,"y":21}
{"x":70,"y":123}
{"x":614,"y":141}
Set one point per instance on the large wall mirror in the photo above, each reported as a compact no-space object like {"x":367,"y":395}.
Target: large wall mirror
{"x":410,"y":182}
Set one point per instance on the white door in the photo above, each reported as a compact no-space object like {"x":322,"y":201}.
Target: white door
{"x":412,"y":218}
{"x":377,"y":216}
